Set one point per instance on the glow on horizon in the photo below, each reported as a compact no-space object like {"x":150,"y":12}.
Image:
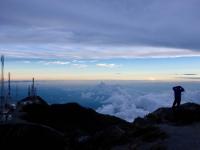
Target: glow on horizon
{"x":150,"y":69}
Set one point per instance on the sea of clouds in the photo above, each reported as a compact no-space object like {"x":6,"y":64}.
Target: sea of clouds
{"x":129,"y":102}
{"x":124,"y":100}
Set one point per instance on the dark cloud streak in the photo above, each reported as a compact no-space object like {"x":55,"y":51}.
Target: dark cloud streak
{"x":190,"y":78}
{"x":172,"y":23}
{"x":190,"y":74}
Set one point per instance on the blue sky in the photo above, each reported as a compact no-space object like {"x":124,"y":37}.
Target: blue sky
{"x":101,"y":39}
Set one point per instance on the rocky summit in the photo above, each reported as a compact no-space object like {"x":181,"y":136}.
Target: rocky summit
{"x":73,"y":127}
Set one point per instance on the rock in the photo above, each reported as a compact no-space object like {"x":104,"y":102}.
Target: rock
{"x":79,"y":124}
{"x":186,"y":114}
{"x":85,"y":129}
{"x":70,"y":117}
{"x":30,"y":136}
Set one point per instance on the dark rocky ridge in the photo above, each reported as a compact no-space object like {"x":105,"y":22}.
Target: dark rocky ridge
{"x":70,"y":117}
{"x":85,"y":129}
{"x":187,"y":113}
{"x":82,"y":127}
{"x":30,"y":136}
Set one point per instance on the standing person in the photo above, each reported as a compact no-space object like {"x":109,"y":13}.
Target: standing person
{"x":177,"y":96}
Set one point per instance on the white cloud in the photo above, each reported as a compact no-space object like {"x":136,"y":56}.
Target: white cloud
{"x":129,"y":102}
{"x":107,"y":65}
{"x":125,"y":103}
{"x":93,"y":53}
{"x":84,"y":61}
{"x":57,"y":63}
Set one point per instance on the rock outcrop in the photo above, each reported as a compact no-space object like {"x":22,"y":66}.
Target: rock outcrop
{"x":187,"y":113}
{"x":73,"y":127}
{"x":29,"y":136}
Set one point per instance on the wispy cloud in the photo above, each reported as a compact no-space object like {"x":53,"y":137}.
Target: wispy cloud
{"x":84,"y":61}
{"x":104,"y":65}
{"x":81,"y":66}
{"x":57,"y":63}
{"x":91,"y":54}
{"x":190,"y":78}
{"x":190,"y":74}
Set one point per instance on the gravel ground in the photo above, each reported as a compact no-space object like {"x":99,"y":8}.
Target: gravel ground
{"x":182,"y":137}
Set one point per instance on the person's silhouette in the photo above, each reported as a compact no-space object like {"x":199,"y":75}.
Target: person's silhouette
{"x":177,"y":96}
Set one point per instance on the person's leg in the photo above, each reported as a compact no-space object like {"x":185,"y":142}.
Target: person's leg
{"x":178,"y":102}
{"x":174,"y":103}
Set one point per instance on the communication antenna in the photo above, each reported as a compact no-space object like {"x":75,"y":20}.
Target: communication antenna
{"x":9,"y":85}
{"x":8,"y":98}
{"x":33,"y":87}
{"x":2,"y":84}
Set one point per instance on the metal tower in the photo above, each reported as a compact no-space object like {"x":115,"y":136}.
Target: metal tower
{"x":2,"y":85}
{"x":8,"y":98}
{"x":9,"y":87}
{"x":33,"y":89}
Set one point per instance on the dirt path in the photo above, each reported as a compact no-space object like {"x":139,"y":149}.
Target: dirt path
{"x":182,"y":137}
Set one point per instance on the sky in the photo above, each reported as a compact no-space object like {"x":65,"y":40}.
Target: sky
{"x":101,"y":39}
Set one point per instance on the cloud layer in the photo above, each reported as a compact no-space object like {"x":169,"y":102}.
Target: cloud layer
{"x":83,"y":52}
{"x":96,"y":28}
{"x":129,"y":102}
{"x":107,"y":65}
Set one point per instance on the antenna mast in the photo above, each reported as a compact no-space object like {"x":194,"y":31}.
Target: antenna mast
{"x":9,"y":87}
{"x":33,"y":88}
{"x":2,"y":85}
{"x":8,"y":99}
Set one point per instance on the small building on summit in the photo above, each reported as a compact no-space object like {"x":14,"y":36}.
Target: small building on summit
{"x":32,"y":100}
{"x":32,"y":97}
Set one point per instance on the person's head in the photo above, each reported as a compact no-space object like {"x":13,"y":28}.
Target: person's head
{"x":178,"y":88}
